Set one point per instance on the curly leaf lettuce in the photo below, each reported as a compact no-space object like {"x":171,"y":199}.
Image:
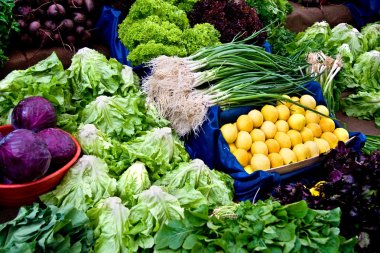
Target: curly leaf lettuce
{"x":159,"y":149}
{"x":214,"y":185}
{"x":132,"y":182}
{"x":367,"y":70}
{"x":371,"y":36}
{"x":110,"y":219}
{"x":85,"y":184}
{"x":154,"y":208}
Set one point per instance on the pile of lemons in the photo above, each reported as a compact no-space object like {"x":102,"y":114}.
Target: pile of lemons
{"x":282,"y":134}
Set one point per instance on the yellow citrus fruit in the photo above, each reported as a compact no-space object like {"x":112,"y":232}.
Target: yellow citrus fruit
{"x":288,"y":104}
{"x":270,"y":113}
{"x":257,"y":135}
{"x":315,"y":128}
{"x":257,"y":117}
{"x":283,"y":112}
{"x":232,"y":147}
{"x":297,"y":122}
{"x":288,"y":156}
{"x":327,"y":124}
{"x":312,"y":117}
{"x":302,"y":152}
{"x":229,"y":132}
{"x":282,"y":126}
{"x":322,"y":109}
{"x":249,"y":155}
{"x":259,"y":147}
{"x":295,"y":137}
{"x":244,"y":123}
{"x":313,"y":148}
{"x":260,"y":162}
{"x":276,"y":160}
{"x":307,"y":134}
{"x":273,"y":146}
{"x":283,"y":139}
{"x":308,"y":101}
{"x":248,"y":169}
{"x":242,"y":156}
{"x":323,"y":145}
{"x":295,"y":109}
{"x":330,"y":138}
{"x":342,"y":134}
{"x":269,"y":129}
{"x":243,"y":140}
{"x":295,"y":99}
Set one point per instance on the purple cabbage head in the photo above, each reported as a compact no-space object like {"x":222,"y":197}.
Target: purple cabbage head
{"x":60,"y":144}
{"x":24,"y":157}
{"x":34,"y":113}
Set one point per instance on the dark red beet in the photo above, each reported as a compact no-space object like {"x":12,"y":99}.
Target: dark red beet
{"x":79,"y":18}
{"x":56,"y":10}
{"x":34,"y":26}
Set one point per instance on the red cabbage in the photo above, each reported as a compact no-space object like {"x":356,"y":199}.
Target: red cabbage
{"x":24,"y":157}
{"x":60,"y":144}
{"x":34,"y":113}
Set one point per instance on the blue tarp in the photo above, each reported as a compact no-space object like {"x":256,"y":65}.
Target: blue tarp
{"x":364,"y":11}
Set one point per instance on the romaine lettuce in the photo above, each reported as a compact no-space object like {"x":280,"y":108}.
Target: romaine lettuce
{"x":367,"y":70}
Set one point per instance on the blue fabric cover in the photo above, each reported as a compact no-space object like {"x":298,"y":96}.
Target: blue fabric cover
{"x":364,"y":11}
{"x":210,"y":146}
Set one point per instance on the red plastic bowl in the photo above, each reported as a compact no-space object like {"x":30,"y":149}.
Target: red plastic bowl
{"x":24,"y":194}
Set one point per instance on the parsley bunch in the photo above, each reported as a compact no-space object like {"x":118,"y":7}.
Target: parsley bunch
{"x":7,"y":25}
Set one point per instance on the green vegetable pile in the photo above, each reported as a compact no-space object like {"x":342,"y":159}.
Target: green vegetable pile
{"x":266,"y":226}
{"x":159,"y":27}
{"x":7,"y":26}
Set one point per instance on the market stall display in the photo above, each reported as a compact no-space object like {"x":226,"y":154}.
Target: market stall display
{"x":219,"y":147}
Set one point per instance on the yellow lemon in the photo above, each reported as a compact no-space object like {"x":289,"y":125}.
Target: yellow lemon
{"x":297,"y":122}
{"x":242,"y":156}
{"x":295,"y":137}
{"x":260,"y":162}
{"x":315,"y":128}
{"x":243,"y":140}
{"x":323,"y":145}
{"x":313,"y":148}
{"x":273,"y":146}
{"x":270,"y":113}
{"x":283,"y":139}
{"x":232,"y":147}
{"x":269,"y":129}
{"x":312,"y":117}
{"x":257,"y":135}
{"x":288,"y":156}
{"x":259,"y":147}
{"x":229,"y":132}
{"x":257,"y":117}
{"x":308,"y":101}
{"x":249,"y":155}
{"x":302,"y":152}
{"x":284,"y":102}
{"x":342,"y":134}
{"x":283,"y":112}
{"x":248,"y":169}
{"x":306,"y":134}
{"x":322,"y":109}
{"x":276,"y":160}
{"x":295,"y":109}
{"x":282,"y":126}
{"x":295,"y":99}
{"x":327,"y":125}
{"x":330,"y":138}
{"x":244,"y":123}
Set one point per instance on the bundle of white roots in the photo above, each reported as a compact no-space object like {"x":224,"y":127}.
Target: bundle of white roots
{"x":171,"y":89}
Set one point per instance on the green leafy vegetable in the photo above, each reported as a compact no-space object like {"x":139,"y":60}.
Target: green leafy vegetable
{"x":371,"y":36}
{"x":367,"y":70}
{"x":7,"y":26}
{"x":214,"y":185}
{"x":159,"y":149}
{"x":363,"y":105}
{"x":95,"y":142}
{"x":120,"y":117}
{"x":47,"y":79}
{"x":132,"y":182}
{"x":50,"y":229}
{"x":372,"y":143}
{"x":110,"y":220}
{"x":154,"y":208}
{"x":91,"y":75}
{"x":85,"y":184}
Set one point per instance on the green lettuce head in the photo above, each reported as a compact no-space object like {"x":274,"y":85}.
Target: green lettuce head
{"x":367,"y":70}
{"x":371,"y":36}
